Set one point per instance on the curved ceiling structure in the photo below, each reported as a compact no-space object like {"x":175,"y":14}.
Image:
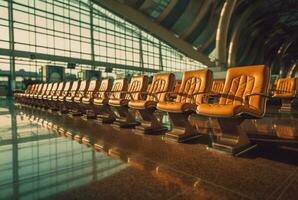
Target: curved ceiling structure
{"x":236,"y":32}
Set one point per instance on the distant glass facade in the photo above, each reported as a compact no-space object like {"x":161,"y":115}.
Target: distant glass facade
{"x":84,"y":31}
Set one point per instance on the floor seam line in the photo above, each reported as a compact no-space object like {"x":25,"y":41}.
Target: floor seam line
{"x":284,"y":184}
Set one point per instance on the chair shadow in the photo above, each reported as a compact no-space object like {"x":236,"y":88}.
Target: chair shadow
{"x":287,"y":154}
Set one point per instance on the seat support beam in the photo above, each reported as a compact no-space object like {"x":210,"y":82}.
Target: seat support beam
{"x":230,"y":138}
{"x":150,"y":121}
{"x":182,"y":130}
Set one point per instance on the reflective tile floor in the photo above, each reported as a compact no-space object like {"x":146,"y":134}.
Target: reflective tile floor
{"x":47,"y":156}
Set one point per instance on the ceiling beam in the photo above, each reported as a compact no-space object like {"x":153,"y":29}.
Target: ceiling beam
{"x":139,"y":19}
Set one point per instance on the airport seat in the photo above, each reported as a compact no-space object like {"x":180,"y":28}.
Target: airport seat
{"x":244,"y":96}
{"x":32,"y":90}
{"x":124,"y":117}
{"x":59,"y":91}
{"x":55,"y":103}
{"x":92,"y":89}
{"x":32,"y":100}
{"x":48,"y":97}
{"x":67,"y":100}
{"x":74,"y":105}
{"x":87,"y":100}
{"x":48,"y":91}
{"x":53,"y":91}
{"x":38,"y":97}
{"x":82,"y":91}
{"x":26,"y":91}
{"x":42,"y":99}
{"x":102,"y":94}
{"x":286,"y":90}
{"x":72,"y":93}
{"x":20,"y":96}
{"x":151,"y":121}
{"x":100,"y":97}
{"x":193,"y":90}
{"x":106,"y":115}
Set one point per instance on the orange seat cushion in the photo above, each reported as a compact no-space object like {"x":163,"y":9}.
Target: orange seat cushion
{"x":142,"y":104}
{"x":86,"y":100}
{"x":101,"y":101}
{"x":176,"y":106}
{"x":69,"y":99}
{"x":77,"y":99}
{"x":62,"y":98}
{"x":226,"y":110}
{"x":118,"y":102}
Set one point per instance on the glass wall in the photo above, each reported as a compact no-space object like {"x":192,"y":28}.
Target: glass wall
{"x":60,"y":30}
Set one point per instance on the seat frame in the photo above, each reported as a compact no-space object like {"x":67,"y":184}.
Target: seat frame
{"x":230,"y":138}
{"x":74,"y":108}
{"x":93,"y":109}
{"x":64,"y":105}
{"x":150,"y":119}
{"x":104,"y":112}
{"x":124,"y":116}
{"x":287,"y":102}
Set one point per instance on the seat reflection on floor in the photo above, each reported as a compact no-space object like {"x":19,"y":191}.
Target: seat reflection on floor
{"x":35,"y":163}
{"x":54,"y":156}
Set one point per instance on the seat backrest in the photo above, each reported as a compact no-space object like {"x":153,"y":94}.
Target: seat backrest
{"x":93,"y":86}
{"x":28,"y":89}
{"x":54,"y":88}
{"x":39,"y":88}
{"x":138,"y":84}
{"x":44,"y":89}
{"x":49,"y":89}
{"x":217,"y":86}
{"x":105,"y":86}
{"x":119,"y":85}
{"x":74,"y":88}
{"x":193,"y":82}
{"x":241,"y":81}
{"x":66,"y":89}
{"x":285,"y":87}
{"x":83,"y":88}
{"x":161,"y":84}
{"x":83,"y":85}
{"x":60,"y":88}
{"x":33,"y":88}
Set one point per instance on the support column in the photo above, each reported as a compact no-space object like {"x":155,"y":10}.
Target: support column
{"x":223,"y":30}
{"x":160,"y":56}
{"x":12,"y":75}
{"x":141,"y":51}
{"x":235,"y":38}
{"x":92,"y":34}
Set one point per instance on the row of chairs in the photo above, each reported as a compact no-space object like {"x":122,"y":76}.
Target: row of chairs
{"x":140,"y":105}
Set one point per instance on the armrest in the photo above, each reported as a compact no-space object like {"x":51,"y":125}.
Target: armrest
{"x":255,"y":94}
{"x":192,"y":96}
{"x":130,"y":94}
{"x":151,"y":94}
